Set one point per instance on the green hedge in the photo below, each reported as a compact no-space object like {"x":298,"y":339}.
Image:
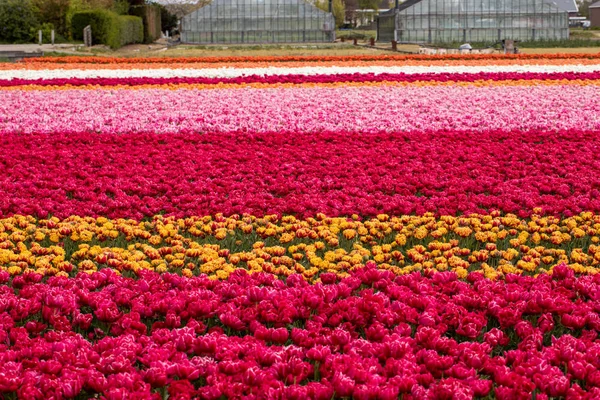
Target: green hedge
{"x":108,"y":28}
{"x":131,"y":28}
{"x":355,"y":34}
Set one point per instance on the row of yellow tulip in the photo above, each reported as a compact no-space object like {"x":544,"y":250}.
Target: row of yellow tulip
{"x":494,"y":244}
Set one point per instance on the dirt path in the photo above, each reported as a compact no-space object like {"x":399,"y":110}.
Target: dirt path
{"x":326,"y":49}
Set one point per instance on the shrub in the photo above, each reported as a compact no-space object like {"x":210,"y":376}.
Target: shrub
{"x":356,"y":34}
{"x":108,"y":27}
{"x":131,"y":29}
{"x":18,"y":23}
{"x":99,"y":20}
{"x":46,"y":29}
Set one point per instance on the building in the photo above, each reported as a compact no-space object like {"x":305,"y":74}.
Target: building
{"x":481,"y":21}
{"x":595,"y":15}
{"x":569,"y":6}
{"x":258,"y":21}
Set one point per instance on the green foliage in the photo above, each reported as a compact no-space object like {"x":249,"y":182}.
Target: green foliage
{"x":46,"y":32}
{"x":53,"y":12}
{"x":108,"y":27}
{"x":168,"y":21}
{"x":18,"y":22}
{"x":339,"y":10}
{"x":584,"y":7}
{"x":582,"y":34}
{"x":131,"y":29}
{"x":356,"y":34}
{"x":151,"y":17}
{"x":101,"y":22}
{"x":121,"y":7}
{"x":368,"y":4}
{"x":76,"y":6}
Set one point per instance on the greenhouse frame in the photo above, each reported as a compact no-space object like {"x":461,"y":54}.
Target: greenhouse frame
{"x":481,"y":21}
{"x":258,"y":21}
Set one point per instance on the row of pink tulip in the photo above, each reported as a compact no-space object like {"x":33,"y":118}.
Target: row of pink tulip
{"x":371,"y":335}
{"x":337,"y":109}
{"x":341,"y":173}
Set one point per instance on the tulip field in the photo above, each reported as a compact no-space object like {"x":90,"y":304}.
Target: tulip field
{"x":360,"y":227}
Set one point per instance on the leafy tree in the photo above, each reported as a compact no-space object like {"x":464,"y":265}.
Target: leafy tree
{"x":168,"y":20}
{"x":584,"y":7}
{"x":18,"y":22}
{"x":368,"y":4}
{"x":53,"y":12}
{"x":121,"y":7}
{"x":339,"y":10}
{"x":181,"y":8}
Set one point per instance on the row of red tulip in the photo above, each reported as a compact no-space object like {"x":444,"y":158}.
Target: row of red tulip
{"x":507,"y":77}
{"x":141,"y":175}
{"x":371,"y":335}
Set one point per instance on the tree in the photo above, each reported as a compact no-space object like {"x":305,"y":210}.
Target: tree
{"x":584,"y":7}
{"x":168,"y":20}
{"x":53,"y":12}
{"x":368,"y":4}
{"x":181,"y":8}
{"x":339,"y":10}
{"x":18,"y":22}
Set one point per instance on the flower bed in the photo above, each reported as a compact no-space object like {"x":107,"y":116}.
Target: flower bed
{"x":370,"y":335}
{"x":257,"y":63}
{"x":481,"y":78}
{"x":494,"y":245}
{"x":305,"y":70}
{"x":415,"y":109}
{"x":366,"y":227}
{"x":338,"y":173}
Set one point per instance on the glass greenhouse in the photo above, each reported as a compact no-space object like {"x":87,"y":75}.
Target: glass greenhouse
{"x":258,"y":21}
{"x":464,"y":21}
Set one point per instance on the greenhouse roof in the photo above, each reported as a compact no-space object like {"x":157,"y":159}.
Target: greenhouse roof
{"x":241,"y":8}
{"x":408,"y":4}
{"x":564,"y":5}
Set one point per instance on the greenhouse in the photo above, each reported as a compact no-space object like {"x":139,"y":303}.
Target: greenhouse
{"x":482,"y":21}
{"x":258,"y":21}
